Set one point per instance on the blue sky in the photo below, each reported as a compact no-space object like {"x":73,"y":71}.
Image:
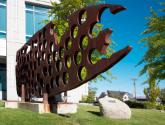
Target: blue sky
{"x":127,"y":27}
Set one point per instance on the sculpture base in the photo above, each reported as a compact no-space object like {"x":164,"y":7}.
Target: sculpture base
{"x":64,"y":108}
{"x":59,"y":108}
{"x":35,"y":107}
{"x":11,"y":104}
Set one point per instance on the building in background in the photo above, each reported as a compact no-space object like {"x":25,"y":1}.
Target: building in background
{"x":124,"y":96}
{"x":20,"y":19}
{"x":3,"y":24}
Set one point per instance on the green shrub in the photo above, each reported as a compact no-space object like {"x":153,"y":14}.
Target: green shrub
{"x":90,"y":98}
{"x":135,"y":104}
{"x":84,"y":99}
{"x":2,"y":104}
{"x":164,"y":107}
{"x":149,"y":105}
{"x":160,"y":107}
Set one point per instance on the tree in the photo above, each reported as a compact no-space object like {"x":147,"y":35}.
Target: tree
{"x":154,"y":58}
{"x":91,"y":97}
{"x":162,"y":96}
{"x":153,"y":91}
{"x":61,"y":12}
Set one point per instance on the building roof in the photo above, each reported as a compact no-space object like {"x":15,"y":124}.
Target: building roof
{"x":118,"y":93}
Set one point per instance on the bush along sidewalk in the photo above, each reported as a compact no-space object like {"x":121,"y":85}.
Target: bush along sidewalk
{"x":2,"y":104}
{"x":145,"y":105}
{"x":135,"y":104}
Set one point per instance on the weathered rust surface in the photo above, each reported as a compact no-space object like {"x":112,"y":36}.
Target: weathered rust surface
{"x":42,"y":62}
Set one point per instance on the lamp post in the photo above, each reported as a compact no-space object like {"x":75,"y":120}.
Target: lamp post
{"x":134,"y":83}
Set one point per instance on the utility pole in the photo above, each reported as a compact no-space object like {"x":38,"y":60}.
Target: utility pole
{"x":134,"y":83}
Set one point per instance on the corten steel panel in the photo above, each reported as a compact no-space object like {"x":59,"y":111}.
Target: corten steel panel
{"x":42,"y":62}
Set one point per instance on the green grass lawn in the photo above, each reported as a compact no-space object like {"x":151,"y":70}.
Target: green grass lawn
{"x":86,"y":115}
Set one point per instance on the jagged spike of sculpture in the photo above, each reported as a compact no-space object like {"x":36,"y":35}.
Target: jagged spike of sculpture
{"x":42,"y":63}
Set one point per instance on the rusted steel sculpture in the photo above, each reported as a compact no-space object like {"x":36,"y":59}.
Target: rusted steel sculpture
{"x":44,"y":66}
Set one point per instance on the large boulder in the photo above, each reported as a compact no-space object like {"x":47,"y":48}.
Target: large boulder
{"x":114,"y":108}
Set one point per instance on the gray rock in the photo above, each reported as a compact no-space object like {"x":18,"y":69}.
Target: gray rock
{"x":102,"y":95}
{"x":114,"y":108}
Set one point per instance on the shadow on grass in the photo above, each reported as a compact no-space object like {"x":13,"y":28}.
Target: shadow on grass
{"x":65,"y":115}
{"x":95,"y":113}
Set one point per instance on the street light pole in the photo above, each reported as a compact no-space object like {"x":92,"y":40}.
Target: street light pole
{"x":134,"y":83}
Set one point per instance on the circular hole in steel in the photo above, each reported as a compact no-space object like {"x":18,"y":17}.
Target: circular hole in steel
{"x":60,"y":80}
{"x":27,"y":93}
{"x":51,"y":31}
{"x":66,"y":78}
{"x":45,"y":71}
{"x":36,"y":54}
{"x":23,"y":51}
{"x":84,"y":42}
{"x":40,"y":91}
{"x":61,"y":52}
{"x":75,"y":31}
{"x":28,"y":57}
{"x":95,"y":29}
{"x":41,"y":83}
{"x":55,"y":56}
{"x":57,"y":81}
{"x":43,"y":56}
{"x":39,"y":60}
{"x":78,"y":57}
{"x":83,"y":17}
{"x":82,"y":73}
{"x":44,"y":32}
{"x":51,"y":47}
{"x":68,"y":61}
{"x":45,"y":44}
{"x":51,"y":83}
{"x":94,"y":56}
{"x":68,"y":44}
{"x":28,"y":49}
{"x":40,"y":47}
{"x":35,"y":44}
{"x":49,"y":59}
{"x":50,"y":70}
{"x":36,"y":87}
{"x":59,"y":65}
{"x":32,"y":91}
{"x":38,"y":77}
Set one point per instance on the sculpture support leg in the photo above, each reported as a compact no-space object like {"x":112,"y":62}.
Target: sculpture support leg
{"x":65,"y":97}
{"x":23,"y":93}
{"x":46,"y":104}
